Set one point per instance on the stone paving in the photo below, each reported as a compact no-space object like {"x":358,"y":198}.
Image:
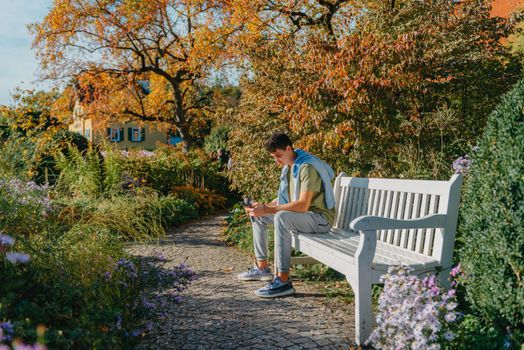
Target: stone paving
{"x":219,"y":312}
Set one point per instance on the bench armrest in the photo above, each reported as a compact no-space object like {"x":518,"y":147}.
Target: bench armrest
{"x":370,"y":223}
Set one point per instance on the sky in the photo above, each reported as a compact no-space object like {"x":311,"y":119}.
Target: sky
{"x":18,"y":65}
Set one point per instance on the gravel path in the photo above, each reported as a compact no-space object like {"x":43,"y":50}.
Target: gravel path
{"x":219,"y":312}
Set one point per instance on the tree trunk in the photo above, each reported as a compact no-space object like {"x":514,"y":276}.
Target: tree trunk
{"x":181,"y":120}
{"x":187,"y":139}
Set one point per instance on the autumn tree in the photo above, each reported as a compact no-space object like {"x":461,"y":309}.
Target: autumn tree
{"x":112,"y":47}
{"x":394,"y":88}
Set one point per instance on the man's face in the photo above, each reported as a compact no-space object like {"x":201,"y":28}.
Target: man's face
{"x":284,"y":156}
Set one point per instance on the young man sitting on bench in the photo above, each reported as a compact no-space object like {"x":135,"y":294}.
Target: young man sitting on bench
{"x":305,"y":204}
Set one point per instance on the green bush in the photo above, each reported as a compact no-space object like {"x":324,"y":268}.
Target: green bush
{"x":34,"y":158}
{"x":175,"y":211}
{"x":217,"y":139}
{"x":473,"y":332}
{"x":45,"y":169}
{"x":492,"y":225}
{"x":168,"y":167}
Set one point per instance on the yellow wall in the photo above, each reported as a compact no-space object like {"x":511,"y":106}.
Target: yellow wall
{"x":96,"y":133}
{"x":153,"y":136}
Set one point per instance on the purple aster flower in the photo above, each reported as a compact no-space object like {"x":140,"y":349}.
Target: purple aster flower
{"x":462,"y":165}
{"x":6,"y":331}
{"x":6,"y":240}
{"x":17,"y":258}
{"x":147,"y":304}
{"x":456,"y":270}
{"x":160,"y":256}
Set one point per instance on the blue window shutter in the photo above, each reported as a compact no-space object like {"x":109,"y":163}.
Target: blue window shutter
{"x":121,"y":135}
{"x":143,"y":134}
{"x":130,"y":134}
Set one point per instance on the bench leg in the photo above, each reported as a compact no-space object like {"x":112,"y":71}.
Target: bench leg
{"x":363,"y":311}
{"x":444,"y":277}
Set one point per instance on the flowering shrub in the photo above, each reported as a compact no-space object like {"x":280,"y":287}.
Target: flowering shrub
{"x":7,"y":327}
{"x":13,"y":257}
{"x":23,"y":201}
{"x":79,"y":280}
{"x":413,"y":313}
{"x":7,"y":333}
{"x":150,"y":278}
{"x":58,"y":288}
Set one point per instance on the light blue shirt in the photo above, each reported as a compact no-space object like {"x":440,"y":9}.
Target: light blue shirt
{"x":324,"y":170}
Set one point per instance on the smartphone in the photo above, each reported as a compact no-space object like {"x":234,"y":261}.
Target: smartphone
{"x":247,"y":202}
{"x":245,"y":205}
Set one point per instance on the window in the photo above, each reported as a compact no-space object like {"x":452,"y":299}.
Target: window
{"x":115,"y":135}
{"x":87,"y":133}
{"x":136,"y":134}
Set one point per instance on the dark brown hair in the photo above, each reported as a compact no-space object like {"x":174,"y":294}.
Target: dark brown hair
{"x":278,"y":140}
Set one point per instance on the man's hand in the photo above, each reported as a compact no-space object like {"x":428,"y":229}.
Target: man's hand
{"x":253,"y":205}
{"x":257,"y":210}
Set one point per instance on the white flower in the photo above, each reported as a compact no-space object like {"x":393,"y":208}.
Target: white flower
{"x":449,"y":335}
{"x":450,"y":317}
{"x":411,"y":311}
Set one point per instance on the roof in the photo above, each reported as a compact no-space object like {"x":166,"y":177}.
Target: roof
{"x":145,"y":86}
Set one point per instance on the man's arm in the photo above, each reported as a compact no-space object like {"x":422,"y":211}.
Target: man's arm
{"x":300,"y":206}
{"x":273,"y":203}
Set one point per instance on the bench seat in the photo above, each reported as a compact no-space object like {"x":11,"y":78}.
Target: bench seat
{"x":328,"y":247}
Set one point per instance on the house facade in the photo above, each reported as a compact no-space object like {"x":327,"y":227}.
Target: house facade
{"x":143,"y":135}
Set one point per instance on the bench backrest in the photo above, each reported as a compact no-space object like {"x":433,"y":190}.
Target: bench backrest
{"x":402,"y":199}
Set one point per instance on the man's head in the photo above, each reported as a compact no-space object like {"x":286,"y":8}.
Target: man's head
{"x":281,"y":148}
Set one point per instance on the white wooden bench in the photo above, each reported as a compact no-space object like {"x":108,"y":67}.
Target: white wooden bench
{"x":384,"y":222}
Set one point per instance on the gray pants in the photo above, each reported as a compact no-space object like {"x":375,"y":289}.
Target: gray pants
{"x":284,"y":222}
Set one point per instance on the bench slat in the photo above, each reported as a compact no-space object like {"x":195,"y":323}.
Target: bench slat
{"x":406,"y":215}
{"x":421,"y":232}
{"x":399,"y":215}
{"x":387,"y":212}
{"x":418,"y":186}
{"x":391,"y":214}
{"x":430,"y":233}
{"x":414,"y":213}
